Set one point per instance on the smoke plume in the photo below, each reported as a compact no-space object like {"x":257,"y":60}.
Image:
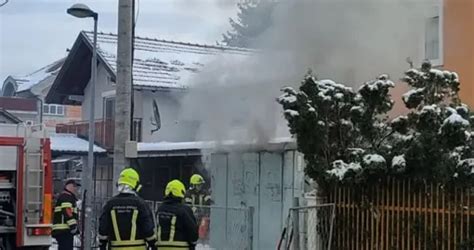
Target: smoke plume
{"x":349,"y":41}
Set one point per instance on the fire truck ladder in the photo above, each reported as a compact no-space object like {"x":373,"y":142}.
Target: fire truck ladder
{"x":34,"y":180}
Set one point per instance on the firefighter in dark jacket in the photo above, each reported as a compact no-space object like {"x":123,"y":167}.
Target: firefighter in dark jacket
{"x":197,"y":195}
{"x":65,"y":216}
{"x":199,"y":198}
{"x":177,"y":228}
{"x":127,"y":221}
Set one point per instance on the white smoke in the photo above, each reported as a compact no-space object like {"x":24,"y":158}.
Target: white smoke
{"x":349,"y":41}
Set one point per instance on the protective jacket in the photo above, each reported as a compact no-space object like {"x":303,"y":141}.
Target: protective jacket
{"x":127,"y":223}
{"x":177,"y":228}
{"x":65,"y":214}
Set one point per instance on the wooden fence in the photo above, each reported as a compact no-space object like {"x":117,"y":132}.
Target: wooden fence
{"x":402,"y":215}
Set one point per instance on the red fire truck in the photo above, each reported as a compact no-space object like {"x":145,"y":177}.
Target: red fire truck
{"x":25,"y":187}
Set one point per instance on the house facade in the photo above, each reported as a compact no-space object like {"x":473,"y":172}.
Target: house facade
{"x":162,"y":73}
{"x":458,"y":44}
{"x":447,"y":43}
{"x":34,"y":87}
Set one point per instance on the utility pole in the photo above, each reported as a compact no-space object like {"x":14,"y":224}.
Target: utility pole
{"x":124,"y":86}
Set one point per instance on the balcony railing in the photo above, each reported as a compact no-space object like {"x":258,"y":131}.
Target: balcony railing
{"x":104,"y":131}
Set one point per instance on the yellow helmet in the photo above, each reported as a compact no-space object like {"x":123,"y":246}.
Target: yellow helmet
{"x":129,"y":177}
{"x":197,"y":180}
{"x":175,"y":188}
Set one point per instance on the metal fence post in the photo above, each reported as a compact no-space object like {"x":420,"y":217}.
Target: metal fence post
{"x":296,"y":221}
{"x":250,"y":226}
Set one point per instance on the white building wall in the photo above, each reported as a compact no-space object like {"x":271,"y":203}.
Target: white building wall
{"x":102,"y":86}
{"x":173,"y":129}
{"x":168,"y":102}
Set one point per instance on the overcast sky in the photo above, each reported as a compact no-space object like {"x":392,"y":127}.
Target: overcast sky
{"x":34,"y":33}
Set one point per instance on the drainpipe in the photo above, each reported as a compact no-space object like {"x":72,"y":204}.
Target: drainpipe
{"x":40,"y":109}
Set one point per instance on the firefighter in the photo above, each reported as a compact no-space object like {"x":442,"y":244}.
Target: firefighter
{"x":65,"y":216}
{"x":127,"y":221}
{"x":197,"y":195}
{"x":177,"y":228}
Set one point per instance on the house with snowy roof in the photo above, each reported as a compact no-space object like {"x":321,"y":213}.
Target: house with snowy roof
{"x":266,"y":176}
{"x":23,"y":96}
{"x":162,"y":73}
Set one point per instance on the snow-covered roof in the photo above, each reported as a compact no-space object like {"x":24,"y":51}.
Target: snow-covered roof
{"x":162,"y":63}
{"x":26,"y":82}
{"x":70,"y":143}
{"x":209,"y":145}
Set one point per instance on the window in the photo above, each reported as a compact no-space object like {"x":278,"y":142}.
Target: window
{"x":45,"y":109}
{"x":53,"y":109}
{"x":109,"y":108}
{"x":432,"y":39}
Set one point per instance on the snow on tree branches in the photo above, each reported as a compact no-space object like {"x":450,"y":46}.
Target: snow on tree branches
{"x":345,"y":135}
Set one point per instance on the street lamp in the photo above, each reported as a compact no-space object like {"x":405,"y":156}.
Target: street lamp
{"x":83,"y":11}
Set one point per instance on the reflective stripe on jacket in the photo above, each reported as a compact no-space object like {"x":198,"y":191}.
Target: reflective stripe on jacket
{"x":127,"y":223}
{"x":65,"y":213}
{"x":199,"y":198}
{"x":177,"y":227}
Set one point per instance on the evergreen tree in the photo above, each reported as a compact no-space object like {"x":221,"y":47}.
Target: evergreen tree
{"x":253,"y":18}
{"x":337,"y":129}
{"x":438,"y":126}
{"x":345,"y":135}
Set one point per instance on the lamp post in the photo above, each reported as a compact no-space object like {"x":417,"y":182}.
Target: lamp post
{"x":83,"y":11}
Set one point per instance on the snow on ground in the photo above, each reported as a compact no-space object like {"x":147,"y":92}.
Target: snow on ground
{"x":54,"y":246}
{"x":204,"y":247}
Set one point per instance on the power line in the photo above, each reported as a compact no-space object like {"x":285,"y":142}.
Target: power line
{"x":2,"y":4}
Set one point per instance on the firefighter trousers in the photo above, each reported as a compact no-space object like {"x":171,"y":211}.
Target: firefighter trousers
{"x":65,"y":241}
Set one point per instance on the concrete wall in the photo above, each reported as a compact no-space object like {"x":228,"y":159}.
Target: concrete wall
{"x":267,"y":181}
